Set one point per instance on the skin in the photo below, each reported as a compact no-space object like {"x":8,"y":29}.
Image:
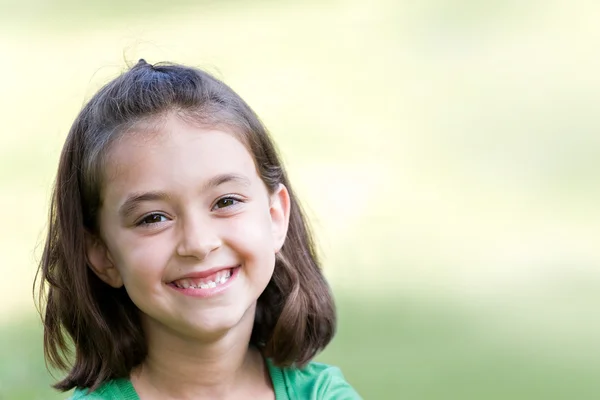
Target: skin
{"x":198,"y":347}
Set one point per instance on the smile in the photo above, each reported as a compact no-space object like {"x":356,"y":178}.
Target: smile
{"x":205,"y":283}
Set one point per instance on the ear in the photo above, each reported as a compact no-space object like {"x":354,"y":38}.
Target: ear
{"x":100,"y":261}
{"x":280,"y":215}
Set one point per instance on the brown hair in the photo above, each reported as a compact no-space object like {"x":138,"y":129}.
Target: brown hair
{"x":295,"y":315}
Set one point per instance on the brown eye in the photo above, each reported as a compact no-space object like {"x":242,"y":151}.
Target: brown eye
{"x":152,"y":219}
{"x":226,"y":202}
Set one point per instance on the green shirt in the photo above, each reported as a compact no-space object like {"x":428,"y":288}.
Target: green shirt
{"x":316,"y":381}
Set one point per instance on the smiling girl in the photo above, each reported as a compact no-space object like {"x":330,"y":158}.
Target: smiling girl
{"x":178,"y":263}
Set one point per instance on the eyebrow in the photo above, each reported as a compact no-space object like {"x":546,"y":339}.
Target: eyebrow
{"x":134,"y":199}
{"x":224,"y":178}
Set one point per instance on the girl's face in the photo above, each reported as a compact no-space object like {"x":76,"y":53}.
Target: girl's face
{"x":188,"y":227}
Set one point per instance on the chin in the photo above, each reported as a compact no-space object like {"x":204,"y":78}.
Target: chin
{"x":220,"y":322}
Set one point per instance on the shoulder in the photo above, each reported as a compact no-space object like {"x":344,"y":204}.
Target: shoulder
{"x":317,"y":381}
{"x":117,"y":389}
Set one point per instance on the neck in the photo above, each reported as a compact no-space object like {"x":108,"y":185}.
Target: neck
{"x":180,"y":367}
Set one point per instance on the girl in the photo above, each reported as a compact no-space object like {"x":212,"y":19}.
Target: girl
{"x":178,"y":261}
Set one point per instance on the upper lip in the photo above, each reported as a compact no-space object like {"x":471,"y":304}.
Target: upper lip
{"x":204,"y":273}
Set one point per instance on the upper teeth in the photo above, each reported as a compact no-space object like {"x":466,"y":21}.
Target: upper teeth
{"x":220,"y":278}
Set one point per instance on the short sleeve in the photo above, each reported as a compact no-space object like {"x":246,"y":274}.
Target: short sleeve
{"x":335,"y":387}
{"x":118,"y":389}
{"x":315,"y":381}
{"x":83,"y":394}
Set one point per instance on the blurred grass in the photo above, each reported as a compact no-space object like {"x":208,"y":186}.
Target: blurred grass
{"x":392,"y":349}
{"x":447,"y":152}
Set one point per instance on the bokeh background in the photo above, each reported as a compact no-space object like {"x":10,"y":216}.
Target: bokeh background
{"x":448,"y":153}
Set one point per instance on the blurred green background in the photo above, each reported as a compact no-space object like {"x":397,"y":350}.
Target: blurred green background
{"x":448,"y":153}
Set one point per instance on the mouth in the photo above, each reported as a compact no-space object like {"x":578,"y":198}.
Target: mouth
{"x":210,"y":281}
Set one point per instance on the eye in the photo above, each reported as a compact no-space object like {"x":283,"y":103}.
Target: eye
{"x":152,"y":219}
{"x":225,"y":202}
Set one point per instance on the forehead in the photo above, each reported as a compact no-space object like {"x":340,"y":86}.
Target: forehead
{"x":173,"y":150}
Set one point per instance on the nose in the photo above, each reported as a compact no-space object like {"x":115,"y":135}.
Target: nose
{"x":198,"y":239}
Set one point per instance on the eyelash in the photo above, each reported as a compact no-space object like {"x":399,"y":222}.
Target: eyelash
{"x":142,"y":223}
{"x":235,"y":199}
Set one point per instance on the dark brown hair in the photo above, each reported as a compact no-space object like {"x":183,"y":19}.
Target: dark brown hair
{"x":295,"y":315}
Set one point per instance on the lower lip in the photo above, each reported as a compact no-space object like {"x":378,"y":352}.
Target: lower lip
{"x":209,"y":292}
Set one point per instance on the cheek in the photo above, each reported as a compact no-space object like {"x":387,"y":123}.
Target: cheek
{"x":141,"y":261}
{"x":252,"y":235}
